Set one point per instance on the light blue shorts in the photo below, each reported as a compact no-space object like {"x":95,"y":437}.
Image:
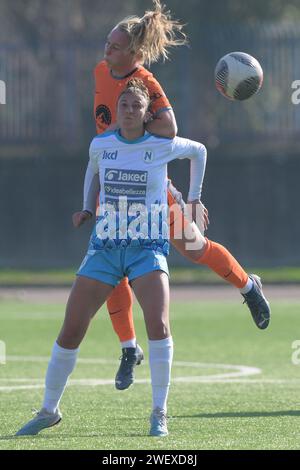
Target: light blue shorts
{"x":112,"y":265}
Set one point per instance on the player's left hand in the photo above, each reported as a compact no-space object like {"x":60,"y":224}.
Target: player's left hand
{"x":199,"y":214}
{"x":78,"y":218}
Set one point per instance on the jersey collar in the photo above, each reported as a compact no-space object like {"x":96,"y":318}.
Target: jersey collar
{"x":144,"y":137}
{"x":125,"y":76}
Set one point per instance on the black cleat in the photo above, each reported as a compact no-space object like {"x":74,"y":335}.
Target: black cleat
{"x":130,"y":358}
{"x":258,"y":304}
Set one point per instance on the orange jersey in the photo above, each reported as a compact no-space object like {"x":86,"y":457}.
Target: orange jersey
{"x":108,"y":90}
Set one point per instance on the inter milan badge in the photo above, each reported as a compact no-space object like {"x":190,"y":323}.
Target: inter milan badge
{"x":103,"y":114}
{"x":148,"y":156}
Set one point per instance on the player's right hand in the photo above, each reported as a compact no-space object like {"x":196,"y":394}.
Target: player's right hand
{"x":199,"y":214}
{"x":78,"y":218}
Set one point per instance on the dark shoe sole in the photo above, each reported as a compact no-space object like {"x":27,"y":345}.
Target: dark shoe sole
{"x":118,"y":387}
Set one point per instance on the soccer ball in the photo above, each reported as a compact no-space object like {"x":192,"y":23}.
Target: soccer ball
{"x":238,"y":76}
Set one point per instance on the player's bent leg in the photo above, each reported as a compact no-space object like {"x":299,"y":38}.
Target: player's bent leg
{"x":221,"y":261}
{"x":189,"y":241}
{"x":156,"y":314}
{"x":119,"y":306}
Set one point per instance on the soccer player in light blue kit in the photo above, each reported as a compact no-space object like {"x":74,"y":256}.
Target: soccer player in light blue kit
{"x":129,"y":167}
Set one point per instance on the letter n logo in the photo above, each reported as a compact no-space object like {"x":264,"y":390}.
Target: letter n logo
{"x":148,"y":156}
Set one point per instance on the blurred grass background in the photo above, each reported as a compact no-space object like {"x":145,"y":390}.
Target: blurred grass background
{"x":178,"y":275}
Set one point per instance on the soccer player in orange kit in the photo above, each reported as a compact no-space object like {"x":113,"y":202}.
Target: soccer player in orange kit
{"x":133,"y":42}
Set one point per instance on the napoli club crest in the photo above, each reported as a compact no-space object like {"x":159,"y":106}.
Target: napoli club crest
{"x":148,"y":156}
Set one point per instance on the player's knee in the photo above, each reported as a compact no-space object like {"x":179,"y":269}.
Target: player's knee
{"x":159,"y":329}
{"x":69,"y":339}
{"x":194,"y":255}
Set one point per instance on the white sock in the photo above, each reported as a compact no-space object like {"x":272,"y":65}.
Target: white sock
{"x":131,"y":343}
{"x":160,"y":360}
{"x":247,"y":287}
{"x":61,"y":365}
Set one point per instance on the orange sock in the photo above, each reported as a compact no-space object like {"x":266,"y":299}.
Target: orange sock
{"x":119,"y":306}
{"x":218,"y":258}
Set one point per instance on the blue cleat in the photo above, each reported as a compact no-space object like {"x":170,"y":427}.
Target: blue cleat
{"x":130,"y":358}
{"x":42,"y":420}
{"x":257,"y":303}
{"x":158,"y":421}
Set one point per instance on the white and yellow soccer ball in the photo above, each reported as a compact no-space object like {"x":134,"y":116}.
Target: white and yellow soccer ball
{"x":238,"y":76}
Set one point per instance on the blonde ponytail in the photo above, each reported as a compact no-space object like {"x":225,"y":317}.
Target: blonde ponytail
{"x":152,"y":35}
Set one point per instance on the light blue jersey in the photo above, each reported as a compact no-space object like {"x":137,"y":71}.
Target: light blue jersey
{"x":132,"y":177}
{"x":131,"y":236}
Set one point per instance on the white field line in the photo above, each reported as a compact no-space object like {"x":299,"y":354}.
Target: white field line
{"x":90,"y":360}
{"x":237,"y":376}
{"x":98,"y":382}
{"x":241,"y":371}
{"x":47,"y":358}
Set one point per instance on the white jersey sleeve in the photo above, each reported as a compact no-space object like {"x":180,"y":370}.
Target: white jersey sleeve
{"x":196,"y":152}
{"x":91,"y":186}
